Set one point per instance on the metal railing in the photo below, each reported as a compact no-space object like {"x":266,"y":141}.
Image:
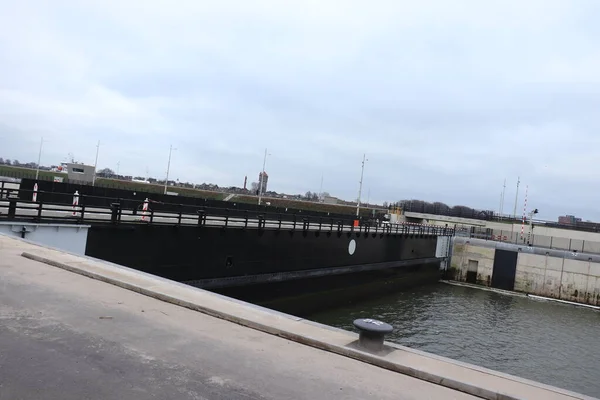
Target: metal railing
{"x":86,"y":209}
{"x":549,"y":242}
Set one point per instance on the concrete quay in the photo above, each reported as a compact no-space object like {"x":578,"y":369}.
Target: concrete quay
{"x":126,"y":334}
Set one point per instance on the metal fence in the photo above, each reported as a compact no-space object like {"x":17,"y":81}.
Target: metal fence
{"x":549,"y":242}
{"x":29,"y":206}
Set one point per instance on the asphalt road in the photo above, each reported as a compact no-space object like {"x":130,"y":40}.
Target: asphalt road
{"x":64,"y":336}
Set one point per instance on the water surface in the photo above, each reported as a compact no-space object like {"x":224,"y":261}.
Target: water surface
{"x":547,"y":342}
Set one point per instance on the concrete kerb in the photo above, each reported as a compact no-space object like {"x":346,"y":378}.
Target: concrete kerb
{"x":304,"y":339}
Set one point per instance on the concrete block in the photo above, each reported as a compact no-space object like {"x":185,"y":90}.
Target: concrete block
{"x":531,"y":260}
{"x":576,"y":266}
{"x":561,"y":243}
{"x":552,"y":284}
{"x":574,"y":287}
{"x":591,"y":246}
{"x":528,"y":279}
{"x":543,"y":241}
{"x":592,"y":295}
{"x":576,"y":245}
{"x":554,"y":263}
{"x":594,"y":270}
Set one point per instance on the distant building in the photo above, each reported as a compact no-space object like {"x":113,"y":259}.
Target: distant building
{"x":263,"y":179}
{"x":568,"y":220}
{"x":80,"y":173}
{"x":330,"y":200}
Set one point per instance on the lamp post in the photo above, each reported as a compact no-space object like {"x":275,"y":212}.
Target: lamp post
{"x":360,"y":186}
{"x":96,"y":164}
{"x":168,"y":167}
{"x":262,"y":178}
{"x":37,"y":171}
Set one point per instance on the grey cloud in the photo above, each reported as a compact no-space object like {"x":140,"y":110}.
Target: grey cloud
{"x":446,"y":98}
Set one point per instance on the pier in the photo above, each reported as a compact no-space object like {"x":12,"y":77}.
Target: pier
{"x":76,"y":327}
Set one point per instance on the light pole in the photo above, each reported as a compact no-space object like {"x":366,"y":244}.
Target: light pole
{"x":321,"y":189}
{"x":168,"y":167}
{"x":37,"y":171}
{"x":262,"y":178}
{"x":96,"y":164}
{"x":530,"y":232}
{"x":362,"y":171}
{"x":516,"y":198}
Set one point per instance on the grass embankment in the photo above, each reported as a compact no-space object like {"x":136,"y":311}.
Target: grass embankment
{"x":20,"y":172}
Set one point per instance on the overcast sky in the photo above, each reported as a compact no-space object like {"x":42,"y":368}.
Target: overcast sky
{"x":446,"y":98}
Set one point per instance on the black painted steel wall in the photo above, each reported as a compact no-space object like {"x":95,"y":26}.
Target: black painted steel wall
{"x":188,"y":253}
{"x":59,"y":192}
{"x":505,"y":267}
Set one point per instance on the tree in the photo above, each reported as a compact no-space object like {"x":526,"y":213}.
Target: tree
{"x":7,"y":161}
{"x":106,"y":172}
{"x":1,"y":161}
{"x":16,"y":163}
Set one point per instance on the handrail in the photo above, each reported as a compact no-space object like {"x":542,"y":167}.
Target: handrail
{"x":108,"y":210}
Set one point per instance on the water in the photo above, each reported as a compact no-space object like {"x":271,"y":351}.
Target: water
{"x":547,"y":342}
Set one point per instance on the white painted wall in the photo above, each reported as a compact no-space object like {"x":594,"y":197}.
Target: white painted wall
{"x":71,"y":238}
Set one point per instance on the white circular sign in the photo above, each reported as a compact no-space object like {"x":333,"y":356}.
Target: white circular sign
{"x":352,"y":247}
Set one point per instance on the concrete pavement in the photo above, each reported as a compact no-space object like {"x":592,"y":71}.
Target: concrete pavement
{"x":209,"y":349}
{"x":65,"y":336}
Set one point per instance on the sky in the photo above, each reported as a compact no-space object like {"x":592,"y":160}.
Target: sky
{"x":447,"y":99}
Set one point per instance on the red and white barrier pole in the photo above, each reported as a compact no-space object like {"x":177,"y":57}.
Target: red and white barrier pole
{"x":75,"y":202}
{"x":35,"y":190}
{"x":144,"y":209}
{"x":524,"y":212}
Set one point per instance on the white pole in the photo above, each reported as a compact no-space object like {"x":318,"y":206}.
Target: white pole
{"x":96,"y":164}
{"x":321,"y":189}
{"x":37,"y":171}
{"x":168,"y":168}
{"x":360,"y":186}
{"x":262,"y":178}
{"x":516,"y":198}
{"x":503,"y":194}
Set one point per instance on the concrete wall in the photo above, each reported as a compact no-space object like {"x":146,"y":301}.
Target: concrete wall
{"x":71,"y":238}
{"x":558,"y":274}
{"x":462,"y":253}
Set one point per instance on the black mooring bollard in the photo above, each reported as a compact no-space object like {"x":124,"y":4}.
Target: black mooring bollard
{"x":372,"y":333}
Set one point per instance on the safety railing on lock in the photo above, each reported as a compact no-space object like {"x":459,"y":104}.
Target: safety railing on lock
{"x":31,"y":206}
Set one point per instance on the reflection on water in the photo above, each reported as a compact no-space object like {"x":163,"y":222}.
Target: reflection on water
{"x":548,"y":342}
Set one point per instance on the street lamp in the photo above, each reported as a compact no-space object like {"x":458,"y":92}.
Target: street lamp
{"x":37,"y":171}
{"x":96,"y":164}
{"x":168,"y":167}
{"x":530,"y":231}
{"x":262,"y":178}
{"x":360,"y":187}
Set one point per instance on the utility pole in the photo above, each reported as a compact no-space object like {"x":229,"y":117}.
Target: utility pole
{"x":360,"y":186}
{"x":502,"y":198}
{"x":516,"y":198}
{"x":168,"y":167}
{"x":118,"y":164}
{"x":321,"y":188}
{"x":37,"y":171}
{"x":262,"y":178}
{"x":96,"y":164}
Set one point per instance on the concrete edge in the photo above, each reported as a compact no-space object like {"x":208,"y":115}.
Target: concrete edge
{"x":313,"y":342}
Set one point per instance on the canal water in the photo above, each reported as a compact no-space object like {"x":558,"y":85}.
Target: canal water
{"x":548,"y":342}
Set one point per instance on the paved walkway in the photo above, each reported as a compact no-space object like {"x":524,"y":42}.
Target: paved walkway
{"x":64,"y":335}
